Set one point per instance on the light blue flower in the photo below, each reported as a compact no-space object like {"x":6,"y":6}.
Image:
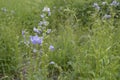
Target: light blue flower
{"x":36,"y":30}
{"x":95,"y":5}
{"x":23,"y":32}
{"x":51,"y":48}
{"x":36,"y":39}
{"x":106,"y":16}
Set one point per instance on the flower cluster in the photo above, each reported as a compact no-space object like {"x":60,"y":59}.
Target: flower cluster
{"x":42,"y":26}
{"x":41,"y":31}
{"x":102,"y":7}
{"x":36,"y":39}
{"x":114,"y":3}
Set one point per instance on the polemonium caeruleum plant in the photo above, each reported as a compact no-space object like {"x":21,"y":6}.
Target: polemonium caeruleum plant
{"x":41,"y":31}
{"x":37,"y":41}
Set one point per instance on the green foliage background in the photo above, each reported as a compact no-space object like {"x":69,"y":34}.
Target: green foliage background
{"x":86,"y":46}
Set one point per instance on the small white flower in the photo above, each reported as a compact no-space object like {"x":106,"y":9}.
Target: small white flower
{"x":104,"y":3}
{"x":36,"y":30}
{"x":106,"y":16}
{"x":42,"y":15}
{"x":95,"y":5}
{"x":35,"y":50}
{"x":40,"y":23}
{"x":98,"y":8}
{"x":52,"y":62}
{"x":45,"y":23}
{"x":27,"y":43}
{"x":48,"y":31}
{"x":46,"y":9}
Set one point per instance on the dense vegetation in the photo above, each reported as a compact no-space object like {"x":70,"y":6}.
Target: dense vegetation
{"x":59,"y":40}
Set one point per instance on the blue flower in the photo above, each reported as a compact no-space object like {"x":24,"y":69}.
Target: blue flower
{"x":36,"y":39}
{"x":51,"y":48}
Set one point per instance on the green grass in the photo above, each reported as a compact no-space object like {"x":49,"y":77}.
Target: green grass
{"x":86,"y":45}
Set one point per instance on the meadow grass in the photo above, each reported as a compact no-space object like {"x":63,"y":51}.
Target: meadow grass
{"x":79,"y":41}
